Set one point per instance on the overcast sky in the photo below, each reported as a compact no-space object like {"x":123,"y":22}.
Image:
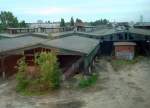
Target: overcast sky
{"x":87,"y":10}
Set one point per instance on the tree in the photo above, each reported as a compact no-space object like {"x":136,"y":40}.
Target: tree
{"x":49,"y":69}
{"x":100,"y":22}
{"x":48,"y":22}
{"x":72,"y":22}
{"x":78,"y":20}
{"x":62,"y":23}
{"x":22,"y":24}
{"x":45,"y":76}
{"x":7,"y":19}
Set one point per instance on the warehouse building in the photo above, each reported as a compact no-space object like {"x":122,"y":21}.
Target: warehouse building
{"x":75,"y":54}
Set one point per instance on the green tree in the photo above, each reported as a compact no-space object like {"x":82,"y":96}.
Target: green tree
{"x":49,"y":69}
{"x":7,"y":19}
{"x":78,"y":20}
{"x":62,"y":23}
{"x":46,"y":76}
{"x":72,"y":22}
{"x":100,"y":22}
{"x":22,"y":24}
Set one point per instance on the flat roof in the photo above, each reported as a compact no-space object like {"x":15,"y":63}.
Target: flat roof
{"x":74,"y":43}
{"x":140,"y":31}
{"x":104,"y":31}
{"x":19,"y":42}
{"x":14,"y":35}
{"x":19,"y":28}
{"x":124,"y":43}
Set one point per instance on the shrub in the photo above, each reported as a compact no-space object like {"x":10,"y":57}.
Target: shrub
{"x":49,"y":69}
{"x":87,"y":81}
{"x":48,"y":77}
{"x":21,"y":75}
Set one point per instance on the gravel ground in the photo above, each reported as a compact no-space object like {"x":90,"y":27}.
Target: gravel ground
{"x":127,"y":88}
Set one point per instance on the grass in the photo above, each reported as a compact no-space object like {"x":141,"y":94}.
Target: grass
{"x":87,"y":81}
{"x":120,"y":63}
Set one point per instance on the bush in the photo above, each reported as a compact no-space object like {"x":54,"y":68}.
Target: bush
{"x":87,"y":81}
{"x":48,"y":77}
{"x":21,"y":75}
{"x":49,"y":69}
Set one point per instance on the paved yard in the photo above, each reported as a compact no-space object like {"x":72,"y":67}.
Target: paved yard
{"x":127,"y":88}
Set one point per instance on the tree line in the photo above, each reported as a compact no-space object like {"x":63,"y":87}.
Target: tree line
{"x":72,"y":22}
{"x":7,"y":19}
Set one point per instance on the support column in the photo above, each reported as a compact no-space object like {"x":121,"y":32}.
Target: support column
{"x":3,"y":68}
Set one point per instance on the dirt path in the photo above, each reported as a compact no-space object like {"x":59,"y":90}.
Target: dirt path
{"x":128,"y":88}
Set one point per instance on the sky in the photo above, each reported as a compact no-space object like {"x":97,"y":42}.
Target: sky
{"x":87,"y":10}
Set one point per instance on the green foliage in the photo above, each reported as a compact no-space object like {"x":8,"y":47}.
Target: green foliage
{"x":48,"y":75}
{"x":72,"y":22}
{"x":79,"y":20}
{"x":62,"y":23}
{"x":120,"y":63}
{"x":7,"y":19}
{"x":22,"y":24}
{"x":100,"y":22}
{"x":49,"y":69}
{"x":21,"y":75}
{"x":87,"y":81}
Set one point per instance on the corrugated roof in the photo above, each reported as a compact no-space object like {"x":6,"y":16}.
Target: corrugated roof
{"x":74,"y":43}
{"x":143,"y":24}
{"x":19,"y":42}
{"x":104,"y":32}
{"x":140,"y":31}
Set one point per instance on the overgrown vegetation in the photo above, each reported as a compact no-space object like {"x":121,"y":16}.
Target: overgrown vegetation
{"x":46,"y":75}
{"x":21,"y":75}
{"x":87,"y":81}
{"x":120,"y":63}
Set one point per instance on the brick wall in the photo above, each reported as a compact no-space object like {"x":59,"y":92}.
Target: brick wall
{"x":124,"y":52}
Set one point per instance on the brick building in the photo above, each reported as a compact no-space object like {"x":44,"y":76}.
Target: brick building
{"x":124,"y":50}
